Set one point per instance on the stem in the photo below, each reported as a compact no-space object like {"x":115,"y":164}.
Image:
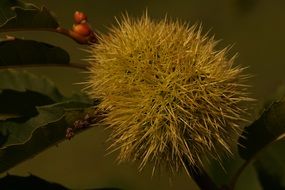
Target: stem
{"x":199,"y":175}
{"x":70,"y":65}
{"x":88,"y":40}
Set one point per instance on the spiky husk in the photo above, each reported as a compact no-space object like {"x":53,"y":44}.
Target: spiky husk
{"x":170,"y":95}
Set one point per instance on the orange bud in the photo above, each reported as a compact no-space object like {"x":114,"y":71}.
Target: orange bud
{"x":79,"y":17}
{"x":83,"y":29}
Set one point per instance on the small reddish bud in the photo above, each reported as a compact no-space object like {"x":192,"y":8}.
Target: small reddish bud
{"x":79,"y":17}
{"x":69,"y":133}
{"x":83,"y":29}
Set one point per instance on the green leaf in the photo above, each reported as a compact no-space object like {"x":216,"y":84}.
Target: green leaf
{"x":29,"y":52}
{"x":29,"y":182}
{"x":24,"y":94}
{"x":269,"y":128}
{"x":21,"y":81}
{"x":270,"y":167}
{"x":21,"y":105}
{"x":33,"y":182}
{"x":23,"y":140}
{"x":17,"y":14}
{"x":21,"y":92}
{"x":261,"y":143}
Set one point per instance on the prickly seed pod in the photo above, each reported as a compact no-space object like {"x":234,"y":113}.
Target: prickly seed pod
{"x":171,"y":97}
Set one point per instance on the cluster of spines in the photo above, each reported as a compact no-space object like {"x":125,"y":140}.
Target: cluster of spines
{"x":170,"y":95}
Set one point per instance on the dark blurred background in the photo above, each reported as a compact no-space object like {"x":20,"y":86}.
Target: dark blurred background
{"x":256,"y":30}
